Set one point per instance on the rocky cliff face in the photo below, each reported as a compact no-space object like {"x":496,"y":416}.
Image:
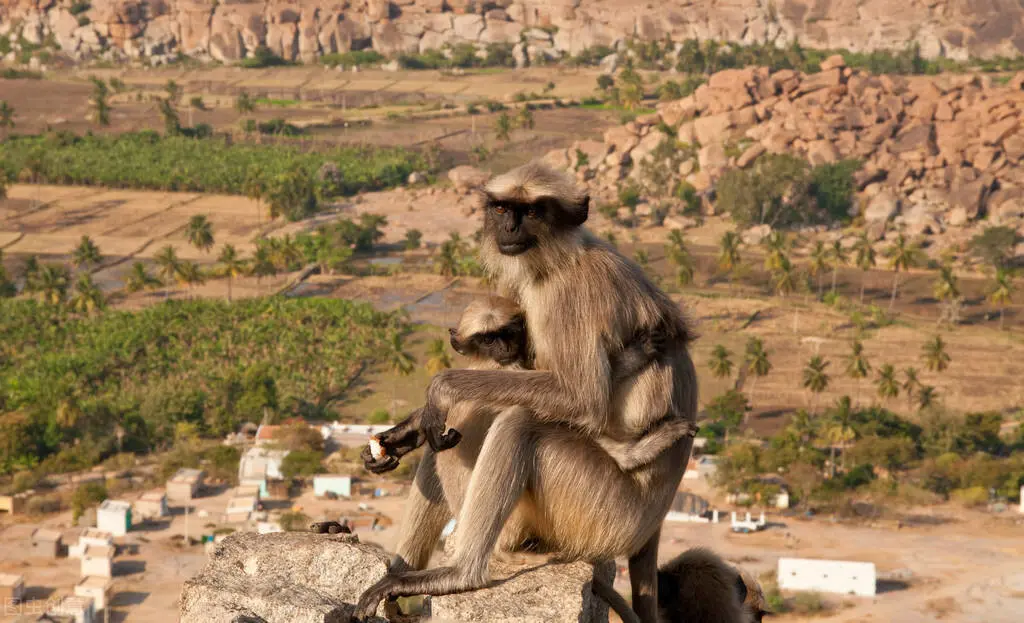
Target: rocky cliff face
{"x":228,"y":30}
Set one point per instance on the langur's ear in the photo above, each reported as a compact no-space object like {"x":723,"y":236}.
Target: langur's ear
{"x":576,"y":214}
{"x":741,"y":588}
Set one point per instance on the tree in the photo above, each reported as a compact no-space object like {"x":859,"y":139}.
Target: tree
{"x":190,"y":275}
{"x":139,"y":279}
{"x":168,"y":263}
{"x":400,"y":362}
{"x":301,"y":464}
{"x":172,"y":122}
{"x":903,"y":255}
{"x":679,"y":255}
{"x":820,"y":262}
{"x":262,"y":264}
{"x":815,"y":377}
{"x":857,"y":365}
{"x":413,"y":239}
{"x":86,"y":253}
{"x":841,"y":431}
{"x":1001,"y":292}
{"x":864,"y":259}
{"x":231,"y":265}
{"x":30,"y":273}
{"x":995,"y":245}
{"x":729,"y":252}
{"x":503,"y":127}
{"x":839,"y":258}
{"x":244,"y":103}
{"x":199,"y":232}
{"x":756,"y":358}
{"x":773,"y":191}
{"x":784,"y":278}
{"x":720,"y":364}
{"x":6,"y":115}
{"x":776,"y":246}
{"x":947,"y":290}
{"x":98,"y":101}
{"x":255,"y":188}
{"x":888,"y":386}
{"x":934,"y":354}
{"x":525,"y":118}
{"x":438,"y":358}
{"x":927,"y":397}
{"x":911,"y":384}
{"x":52,"y":284}
{"x":7,"y":287}
{"x":87,"y":298}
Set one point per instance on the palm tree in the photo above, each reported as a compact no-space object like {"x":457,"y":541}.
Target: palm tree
{"x":525,"y":118}
{"x":255,"y":188}
{"x":820,"y":262}
{"x":30,"y":273}
{"x":190,"y":276}
{"x":503,"y":126}
{"x":1001,"y":293}
{"x":52,"y":284}
{"x":98,"y":101}
{"x":172,"y":122}
{"x":729,"y":253}
{"x":231,"y":265}
{"x":784,"y":277}
{"x":927,"y":397}
{"x":199,"y":232}
{"x":903,"y":255}
{"x":438,"y":358}
{"x":6,"y":115}
{"x":864,"y":259}
{"x":841,"y":432}
{"x":139,"y":279}
{"x":934,"y":354}
{"x":679,"y":255}
{"x":169,"y":265}
{"x":86,"y":253}
{"x":911,"y":384}
{"x":857,"y":365}
{"x":815,"y":378}
{"x":775,"y":245}
{"x":720,"y":364}
{"x":839,"y":257}
{"x":758,"y":364}
{"x":88,"y":297}
{"x":401,"y":363}
{"x":262,"y":264}
{"x":244,"y":103}
{"x":888,"y":386}
{"x":946,"y":288}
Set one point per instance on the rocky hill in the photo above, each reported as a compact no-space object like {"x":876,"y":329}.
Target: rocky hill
{"x":228,"y":30}
{"x":940,"y":156}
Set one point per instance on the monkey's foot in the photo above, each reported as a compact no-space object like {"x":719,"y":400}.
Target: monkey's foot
{"x":329,"y":527}
{"x":440,"y":581}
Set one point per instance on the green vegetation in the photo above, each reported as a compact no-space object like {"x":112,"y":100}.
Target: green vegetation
{"x":263,"y":56}
{"x":995,"y":245}
{"x":86,"y":496}
{"x":210,"y":365}
{"x":302,"y":464}
{"x":782,"y":191}
{"x":354,"y":58}
{"x":145,"y":160}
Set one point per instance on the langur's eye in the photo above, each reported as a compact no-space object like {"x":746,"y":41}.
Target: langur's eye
{"x":532,"y":213}
{"x":500,"y":209}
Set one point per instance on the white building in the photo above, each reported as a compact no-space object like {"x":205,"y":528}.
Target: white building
{"x":92,"y":536}
{"x":185,"y":485}
{"x":332,"y":483}
{"x":240,"y":508}
{"x":748,"y":524}
{"x":12,"y":588}
{"x":827,"y":576}
{"x":115,"y":517}
{"x":79,"y":609}
{"x":152,"y":505}
{"x":98,"y":562}
{"x":98,"y":589}
{"x":262,"y":463}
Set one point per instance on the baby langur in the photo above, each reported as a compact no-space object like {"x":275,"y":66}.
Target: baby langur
{"x":699,"y":587}
{"x":492,"y":332}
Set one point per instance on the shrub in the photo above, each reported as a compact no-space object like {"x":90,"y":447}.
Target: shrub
{"x":294,"y":521}
{"x":413,"y":239}
{"x":86,"y":496}
{"x":773,"y":191}
{"x":808,"y":602}
{"x":263,"y":56}
{"x":302,"y":463}
{"x":995,"y":245}
{"x":833,"y":188}
{"x":223,"y":463}
{"x":81,"y":6}
{"x":970,"y":497}
{"x":354,"y":58}
{"x":43,"y":504}
{"x":379,"y":416}
{"x":23,"y":481}
{"x":629,"y":196}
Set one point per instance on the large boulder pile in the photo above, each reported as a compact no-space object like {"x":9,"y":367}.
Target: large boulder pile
{"x":308,"y":578}
{"x":540,"y":29}
{"x":938,"y":153}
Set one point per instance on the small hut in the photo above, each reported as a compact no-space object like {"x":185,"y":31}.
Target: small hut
{"x":96,"y":588}
{"x":98,"y":562}
{"x":12,"y":588}
{"x":115,"y":517}
{"x":152,"y":505}
{"x":185,"y":485}
{"x":78,"y":609}
{"x":47,"y":543}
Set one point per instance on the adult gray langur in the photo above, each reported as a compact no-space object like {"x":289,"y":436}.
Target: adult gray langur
{"x":534,"y":469}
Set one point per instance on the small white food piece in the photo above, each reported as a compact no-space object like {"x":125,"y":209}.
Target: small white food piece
{"x":376,"y":450}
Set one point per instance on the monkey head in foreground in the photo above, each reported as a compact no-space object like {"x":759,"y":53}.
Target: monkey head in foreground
{"x":699,"y":587}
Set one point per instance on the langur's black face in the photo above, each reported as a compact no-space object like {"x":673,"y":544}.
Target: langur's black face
{"x":506,"y":345}
{"x":518,"y":227}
